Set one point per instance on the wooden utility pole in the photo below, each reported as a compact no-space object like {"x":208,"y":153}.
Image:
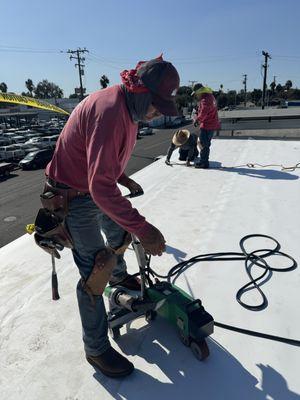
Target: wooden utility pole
{"x":245,"y":89}
{"x":80,"y":66}
{"x":265,"y":67}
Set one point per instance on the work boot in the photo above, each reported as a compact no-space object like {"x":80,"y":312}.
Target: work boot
{"x":202,"y":164}
{"x":129,"y":282}
{"x":111,"y":363}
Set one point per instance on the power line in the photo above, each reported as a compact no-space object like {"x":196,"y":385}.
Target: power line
{"x":18,"y":49}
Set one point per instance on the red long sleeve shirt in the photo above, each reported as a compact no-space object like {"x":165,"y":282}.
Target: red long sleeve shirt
{"x":92,"y":152}
{"x":207,"y":114}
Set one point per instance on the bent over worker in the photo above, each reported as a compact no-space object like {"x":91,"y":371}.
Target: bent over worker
{"x":90,"y":158}
{"x":187,"y":143}
{"x":207,"y":119}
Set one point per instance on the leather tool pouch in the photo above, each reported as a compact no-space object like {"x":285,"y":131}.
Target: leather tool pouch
{"x":51,"y":231}
{"x":105,"y":262}
{"x":50,"y":228}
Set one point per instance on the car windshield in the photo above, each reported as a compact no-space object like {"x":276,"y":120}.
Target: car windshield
{"x":30,"y":156}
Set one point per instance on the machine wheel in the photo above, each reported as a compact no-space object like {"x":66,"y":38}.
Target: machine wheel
{"x":183,"y":338}
{"x":151,"y":315}
{"x":200,"y":349}
{"x":115,"y":333}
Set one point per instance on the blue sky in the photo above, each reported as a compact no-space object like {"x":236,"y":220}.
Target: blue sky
{"x":213,"y":42}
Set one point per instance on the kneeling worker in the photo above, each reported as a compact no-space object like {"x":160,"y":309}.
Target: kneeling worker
{"x":187,"y":143}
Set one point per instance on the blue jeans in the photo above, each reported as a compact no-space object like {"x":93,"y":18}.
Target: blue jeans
{"x":205,"y":137}
{"x":85,"y":222}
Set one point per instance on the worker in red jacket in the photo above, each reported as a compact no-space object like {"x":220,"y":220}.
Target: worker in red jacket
{"x":90,"y":158}
{"x":207,"y":119}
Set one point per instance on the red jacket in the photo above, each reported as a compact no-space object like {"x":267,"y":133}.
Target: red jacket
{"x":207,"y":114}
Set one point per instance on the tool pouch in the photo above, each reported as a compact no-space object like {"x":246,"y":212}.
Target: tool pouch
{"x":51,"y":226}
{"x":105,"y":262}
{"x":55,"y":200}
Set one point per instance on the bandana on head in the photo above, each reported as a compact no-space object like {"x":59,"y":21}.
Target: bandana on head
{"x":132,"y":81}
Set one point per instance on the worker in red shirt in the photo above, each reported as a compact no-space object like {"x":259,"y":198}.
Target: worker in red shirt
{"x":90,"y":158}
{"x":207,"y":119}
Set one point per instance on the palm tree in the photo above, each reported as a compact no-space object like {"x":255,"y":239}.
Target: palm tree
{"x":104,"y":81}
{"x":30,"y":86}
{"x":3,"y":87}
{"x":288,"y":84}
{"x":273,"y":86}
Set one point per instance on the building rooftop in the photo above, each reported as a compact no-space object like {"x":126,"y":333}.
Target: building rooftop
{"x":199,"y":212}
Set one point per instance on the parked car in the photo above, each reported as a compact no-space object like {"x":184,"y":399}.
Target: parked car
{"x":42,"y":142}
{"x":4,"y":141}
{"x":145,"y":131}
{"x":18,"y":139}
{"x":6,"y":168}
{"x":36,"y":159}
{"x":12,"y":152}
{"x":177,"y":121}
{"x":28,"y":148}
{"x":9,"y":134}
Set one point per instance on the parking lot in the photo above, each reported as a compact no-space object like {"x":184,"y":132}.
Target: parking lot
{"x":20,"y":191}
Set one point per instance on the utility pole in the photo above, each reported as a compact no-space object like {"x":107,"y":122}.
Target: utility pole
{"x":80,"y":66}
{"x":245,"y":89}
{"x":265,"y":67}
{"x":192,"y":85}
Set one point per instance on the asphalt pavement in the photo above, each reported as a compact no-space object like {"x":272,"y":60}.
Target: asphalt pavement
{"x":19,"y":194}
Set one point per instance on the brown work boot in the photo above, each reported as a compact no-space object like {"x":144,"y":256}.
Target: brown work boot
{"x":111,"y":363}
{"x":129,"y":282}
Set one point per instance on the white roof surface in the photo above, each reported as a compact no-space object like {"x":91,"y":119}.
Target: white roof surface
{"x":199,"y":211}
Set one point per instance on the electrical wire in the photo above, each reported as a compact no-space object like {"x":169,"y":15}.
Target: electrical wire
{"x":256,"y":257}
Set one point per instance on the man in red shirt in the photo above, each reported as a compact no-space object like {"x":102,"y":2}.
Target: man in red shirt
{"x":91,"y":155}
{"x":207,"y":119}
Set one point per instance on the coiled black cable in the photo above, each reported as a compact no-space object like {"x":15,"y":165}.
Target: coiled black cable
{"x":256,"y":257}
{"x":250,"y":259}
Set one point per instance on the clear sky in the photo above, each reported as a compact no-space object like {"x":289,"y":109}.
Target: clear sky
{"x":213,"y":42}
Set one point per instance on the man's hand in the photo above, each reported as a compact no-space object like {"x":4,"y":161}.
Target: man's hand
{"x":134,"y":188}
{"x":153,"y":242}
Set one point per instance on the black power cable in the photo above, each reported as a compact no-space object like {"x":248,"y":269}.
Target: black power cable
{"x":256,"y":257}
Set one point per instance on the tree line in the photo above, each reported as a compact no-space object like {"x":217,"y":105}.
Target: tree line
{"x":48,"y":90}
{"x":275,"y":93}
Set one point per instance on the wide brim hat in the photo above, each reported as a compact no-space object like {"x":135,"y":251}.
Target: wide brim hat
{"x":180,"y":137}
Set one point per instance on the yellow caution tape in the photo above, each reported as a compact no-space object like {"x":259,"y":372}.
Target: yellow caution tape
{"x":30,"y":228}
{"x":29,"y":101}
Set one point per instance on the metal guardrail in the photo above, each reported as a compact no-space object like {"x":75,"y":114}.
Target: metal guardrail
{"x":244,"y":123}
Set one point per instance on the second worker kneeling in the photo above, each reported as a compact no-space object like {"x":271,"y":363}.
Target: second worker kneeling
{"x":187,"y":143}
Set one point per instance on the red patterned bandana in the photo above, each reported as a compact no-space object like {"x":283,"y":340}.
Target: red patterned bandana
{"x":132,"y":82}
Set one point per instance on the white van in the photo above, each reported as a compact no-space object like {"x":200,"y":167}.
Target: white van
{"x":12,"y":152}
